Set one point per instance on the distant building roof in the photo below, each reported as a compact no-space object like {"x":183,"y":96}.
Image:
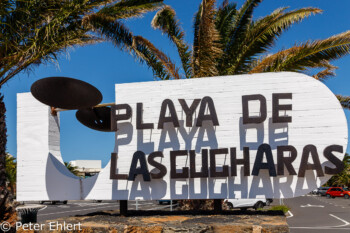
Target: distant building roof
{"x":87,"y":164}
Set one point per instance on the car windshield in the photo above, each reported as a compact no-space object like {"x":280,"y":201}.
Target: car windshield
{"x":345,"y":189}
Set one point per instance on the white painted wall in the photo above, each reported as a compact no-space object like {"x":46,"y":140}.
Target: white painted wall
{"x":317,"y":119}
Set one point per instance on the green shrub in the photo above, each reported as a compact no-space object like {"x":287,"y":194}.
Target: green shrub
{"x":283,"y":208}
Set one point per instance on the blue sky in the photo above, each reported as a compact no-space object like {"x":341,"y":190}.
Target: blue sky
{"x":103,"y":65}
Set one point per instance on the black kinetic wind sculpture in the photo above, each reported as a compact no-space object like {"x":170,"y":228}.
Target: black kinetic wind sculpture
{"x":62,"y":93}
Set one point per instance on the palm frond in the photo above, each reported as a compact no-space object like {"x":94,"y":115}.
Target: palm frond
{"x":224,"y":20}
{"x":110,"y":29}
{"x":130,"y":8}
{"x":164,"y":59}
{"x":145,"y":55}
{"x":5,"y":8}
{"x":311,"y":54}
{"x":11,"y":170}
{"x":269,"y":28}
{"x":165,"y":20}
{"x":41,"y":54}
{"x":71,"y":168}
{"x":208,"y":49}
{"x":241,"y":22}
{"x":196,"y":23}
{"x":344,"y":101}
{"x":262,"y":34}
{"x":244,"y":16}
{"x":326,"y":72}
{"x":31,"y":32}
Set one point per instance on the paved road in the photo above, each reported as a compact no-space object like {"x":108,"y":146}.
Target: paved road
{"x":318,"y":214}
{"x":308,"y":213}
{"x":84,"y":207}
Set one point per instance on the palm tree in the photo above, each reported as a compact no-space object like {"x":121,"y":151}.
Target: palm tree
{"x":4,"y":194}
{"x":71,"y":168}
{"x":227,"y":41}
{"x":34,"y":32}
{"x":343,"y":178}
{"x":11,"y":172}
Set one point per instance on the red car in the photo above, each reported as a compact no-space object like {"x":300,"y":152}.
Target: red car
{"x":338,"y":192}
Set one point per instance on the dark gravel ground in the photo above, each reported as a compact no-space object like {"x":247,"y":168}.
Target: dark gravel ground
{"x":181,"y":221}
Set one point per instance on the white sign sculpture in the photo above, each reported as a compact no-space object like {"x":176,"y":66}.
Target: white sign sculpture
{"x":273,"y":135}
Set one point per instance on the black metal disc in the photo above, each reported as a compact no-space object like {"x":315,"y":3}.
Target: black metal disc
{"x":95,"y":118}
{"x":66,"y":93}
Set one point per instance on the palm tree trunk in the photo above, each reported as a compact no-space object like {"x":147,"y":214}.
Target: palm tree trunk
{"x":6,"y":209}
